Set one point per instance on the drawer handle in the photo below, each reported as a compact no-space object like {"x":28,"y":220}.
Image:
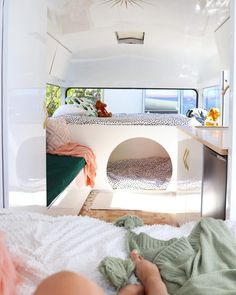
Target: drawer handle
{"x":185,"y":159}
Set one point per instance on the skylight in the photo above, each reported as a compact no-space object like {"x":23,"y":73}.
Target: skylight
{"x":130,"y":37}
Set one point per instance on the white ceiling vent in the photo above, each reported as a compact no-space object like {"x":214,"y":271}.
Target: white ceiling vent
{"x":130,"y":37}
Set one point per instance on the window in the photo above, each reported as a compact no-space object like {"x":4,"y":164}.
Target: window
{"x":188,"y":100}
{"x":139,"y":100}
{"x":169,"y":100}
{"x":91,"y":93}
{"x":212,"y":98}
{"x":53,"y":98}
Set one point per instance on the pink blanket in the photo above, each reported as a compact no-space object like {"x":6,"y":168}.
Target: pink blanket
{"x":9,"y":277}
{"x":77,"y":150}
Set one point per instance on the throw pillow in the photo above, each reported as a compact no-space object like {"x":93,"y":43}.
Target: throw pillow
{"x":66,"y":109}
{"x":57,"y":133}
{"x":84,"y":104}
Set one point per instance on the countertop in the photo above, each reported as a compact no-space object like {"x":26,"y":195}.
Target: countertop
{"x":216,"y":138}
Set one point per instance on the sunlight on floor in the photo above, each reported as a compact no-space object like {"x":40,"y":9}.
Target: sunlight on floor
{"x":166,"y":202}
{"x":25,"y":199}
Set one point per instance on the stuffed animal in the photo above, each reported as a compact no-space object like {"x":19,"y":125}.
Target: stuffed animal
{"x":101,"y":108}
{"x":212,"y":118}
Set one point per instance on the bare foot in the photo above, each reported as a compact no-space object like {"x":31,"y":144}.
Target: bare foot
{"x":144,"y":269}
{"x":149,"y":275}
{"x":131,"y":289}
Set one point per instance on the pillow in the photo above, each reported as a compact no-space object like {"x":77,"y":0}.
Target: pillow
{"x":68,"y":109}
{"x":83,"y":103}
{"x":57,"y":133}
{"x":197,"y":113}
{"x":87,"y":105}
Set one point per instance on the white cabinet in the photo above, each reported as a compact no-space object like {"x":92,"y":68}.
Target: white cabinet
{"x":51,"y":52}
{"x":222,"y":38}
{"x":189,"y":172}
{"x":58,"y":59}
{"x":61,"y":63}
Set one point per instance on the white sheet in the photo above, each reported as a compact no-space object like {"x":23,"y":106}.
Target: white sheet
{"x":49,"y":244}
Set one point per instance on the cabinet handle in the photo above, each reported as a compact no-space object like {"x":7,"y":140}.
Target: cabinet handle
{"x":220,"y":158}
{"x":185,"y":159}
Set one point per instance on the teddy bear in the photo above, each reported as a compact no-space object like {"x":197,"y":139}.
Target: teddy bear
{"x":212,"y":118}
{"x":101,"y":108}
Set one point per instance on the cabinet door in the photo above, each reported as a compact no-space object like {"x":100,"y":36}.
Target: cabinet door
{"x":189,"y":173}
{"x":190,"y":163}
{"x":214,"y":185}
{"x":24,"y":94}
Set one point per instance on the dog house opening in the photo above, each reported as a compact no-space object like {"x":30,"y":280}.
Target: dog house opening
{"x":139,"y":164}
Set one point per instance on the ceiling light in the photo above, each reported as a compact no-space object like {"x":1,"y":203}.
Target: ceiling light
{"x":125,"y":3}
{"x":130,"y":37}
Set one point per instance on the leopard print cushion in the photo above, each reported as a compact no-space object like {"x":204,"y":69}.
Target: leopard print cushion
{"x":134,"y":119}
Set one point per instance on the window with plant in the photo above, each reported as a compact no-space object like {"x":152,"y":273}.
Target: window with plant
{"x":53,"y":98}
{"x":92,"y":94}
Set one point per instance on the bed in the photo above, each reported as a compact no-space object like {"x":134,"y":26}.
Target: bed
{"x":47,"y":244}
{"x":140,"y":119}
{"x":152,"y":173}
{"x":103,"y":135}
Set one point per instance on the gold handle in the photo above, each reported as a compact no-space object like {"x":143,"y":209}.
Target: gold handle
{"x":185,"y":158}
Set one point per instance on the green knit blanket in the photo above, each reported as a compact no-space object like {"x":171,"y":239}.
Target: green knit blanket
{"x":204,"y":263}
{"x":128,"y":221}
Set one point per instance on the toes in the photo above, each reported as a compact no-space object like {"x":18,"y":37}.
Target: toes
{"x":135,"y":256}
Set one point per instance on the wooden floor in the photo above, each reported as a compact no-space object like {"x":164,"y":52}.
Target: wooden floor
{"x":147,"y":217}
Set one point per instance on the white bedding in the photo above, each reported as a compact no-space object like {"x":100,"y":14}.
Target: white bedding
{"x":49,"y":244}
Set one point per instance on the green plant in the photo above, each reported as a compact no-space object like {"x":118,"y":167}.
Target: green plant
{"x":53,"y":98}
{"x":92,"y":94}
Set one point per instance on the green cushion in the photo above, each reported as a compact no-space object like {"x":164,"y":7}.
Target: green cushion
{"x":61,"y":170}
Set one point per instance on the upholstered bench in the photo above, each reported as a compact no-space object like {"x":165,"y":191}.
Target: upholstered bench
{"x":61,"y":171}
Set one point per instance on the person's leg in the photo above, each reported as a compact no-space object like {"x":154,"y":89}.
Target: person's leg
{"x":68,"y":283}
{"x":149,"y":275}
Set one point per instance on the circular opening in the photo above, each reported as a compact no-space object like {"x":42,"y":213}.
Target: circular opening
{"x":139,"y":164}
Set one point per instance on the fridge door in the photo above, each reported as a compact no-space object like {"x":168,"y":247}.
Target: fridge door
{"x":214,"y":184}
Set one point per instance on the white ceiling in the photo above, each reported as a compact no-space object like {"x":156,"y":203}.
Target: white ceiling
{"x":180,"y":15}
{"x":90,"y":24}
{"x":181,"y":31}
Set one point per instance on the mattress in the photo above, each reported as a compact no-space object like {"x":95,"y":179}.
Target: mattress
{"x":46,"y":245}
{"x":140,"y":174}
{"x":61,"y":171}
{"x":134,"y":119}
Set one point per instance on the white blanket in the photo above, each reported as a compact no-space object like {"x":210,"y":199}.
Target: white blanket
{"x":50,"y":244}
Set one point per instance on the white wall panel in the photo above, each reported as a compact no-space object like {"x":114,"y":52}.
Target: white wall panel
{"x":130,"y":71}
{"x":222,"y":38}
{"x":24,"y":93}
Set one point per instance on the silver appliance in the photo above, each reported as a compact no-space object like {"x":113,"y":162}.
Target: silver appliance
{"x":214,"y":185}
